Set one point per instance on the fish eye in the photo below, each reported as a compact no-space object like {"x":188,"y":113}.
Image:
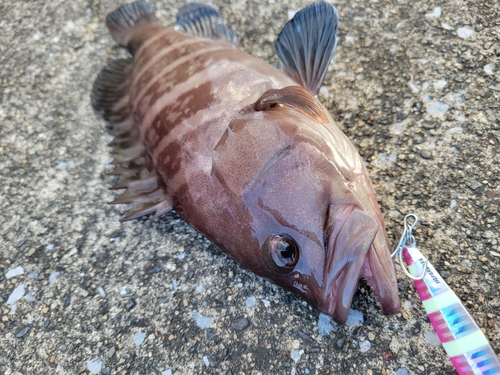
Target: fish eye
{"x":284,"y":252}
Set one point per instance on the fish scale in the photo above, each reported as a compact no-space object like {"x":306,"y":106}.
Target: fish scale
{"x":244,"y":152}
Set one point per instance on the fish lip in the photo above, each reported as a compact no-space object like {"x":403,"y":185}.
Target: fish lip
{"x":351,"y":237}
{"x":338,"y":298}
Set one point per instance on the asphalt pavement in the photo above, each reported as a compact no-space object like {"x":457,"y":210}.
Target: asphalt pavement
{"x":414,"y":84}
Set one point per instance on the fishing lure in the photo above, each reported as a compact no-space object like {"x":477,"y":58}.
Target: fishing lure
{"x":463,"y":341}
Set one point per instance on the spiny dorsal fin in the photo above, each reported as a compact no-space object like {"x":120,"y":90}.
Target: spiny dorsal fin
{"x":294,"y":97}
{"x":306,"y":44}
{"x":204,"y":20}
{"x":122,"y":20}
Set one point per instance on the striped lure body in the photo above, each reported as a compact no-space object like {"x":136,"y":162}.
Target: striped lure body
{"x":244,"y":152}
{"x":466,"y":345}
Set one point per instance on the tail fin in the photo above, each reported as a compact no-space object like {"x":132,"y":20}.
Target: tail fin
{"x":123,"y":20}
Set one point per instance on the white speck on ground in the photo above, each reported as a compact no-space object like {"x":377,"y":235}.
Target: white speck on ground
{"x":296,"y":354}
{"x":53,"y":276}
{"x":14,"y":272}
{"x":250,"y":301}
{"x":465,"y":32}
{"x":440,"y":84}
{"x":167,"y":372}
{"x":181,"y":256}
{"x":438,"y":108}
{"x":139,"y":338}
{"x":16,"y":294}
{"x":446,"y":26}
{"x":354,"y":318}
{"x":101,"y":291}
{"x":365,"y":346}
{"x":325,"y":324}
{"x":94,"y":366}
{"x":436,"y":12}
{"x":49,"y":247}
{"x":174,"y":285}
{"x":291,"y":13}
{"x":432,"y":338}
{"x":206,"y":361}
{"x":454,"y":130}
{"x":413,"y":87}
{"x":266,"y":302}
{"x":201,"y":321}
{"x":488,"y":69}
{"x":402,"y":371}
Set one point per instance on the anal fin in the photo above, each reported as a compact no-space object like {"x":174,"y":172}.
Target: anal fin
{"x":110,"y":99}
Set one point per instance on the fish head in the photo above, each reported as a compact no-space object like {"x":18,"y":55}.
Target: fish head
{"x":311,"y":221}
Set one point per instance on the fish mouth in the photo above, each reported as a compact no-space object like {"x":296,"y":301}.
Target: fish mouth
{"x":352,"y":251}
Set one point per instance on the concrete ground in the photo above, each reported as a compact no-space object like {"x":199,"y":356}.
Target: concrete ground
{"x":416,"y":86}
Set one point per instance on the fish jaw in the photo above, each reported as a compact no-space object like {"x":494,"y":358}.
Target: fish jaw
{"x":352,"y":251}
{"x":380,"y":274}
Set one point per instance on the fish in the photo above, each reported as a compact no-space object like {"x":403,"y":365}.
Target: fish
{"x":244,"y":152}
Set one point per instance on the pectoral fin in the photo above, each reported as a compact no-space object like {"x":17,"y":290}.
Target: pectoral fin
{"x":306,"y":44}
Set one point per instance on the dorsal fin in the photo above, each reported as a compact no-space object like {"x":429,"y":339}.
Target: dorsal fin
{"x":204,"y":20}
{"x":306,"y":44}
{"x":294,"y":97}
{"x":121,"y":21}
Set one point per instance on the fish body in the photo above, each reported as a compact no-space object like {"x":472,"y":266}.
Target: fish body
{"x":244,"y":152}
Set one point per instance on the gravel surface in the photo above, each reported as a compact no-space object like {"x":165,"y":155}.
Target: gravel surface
{"x":415,"y":85}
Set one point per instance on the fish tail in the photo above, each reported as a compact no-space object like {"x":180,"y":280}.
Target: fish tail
{"x":110,"y":99}
{"x":123,"y":21}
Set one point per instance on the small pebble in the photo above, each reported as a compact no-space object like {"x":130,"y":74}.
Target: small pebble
{"x":201,"y":321}
{"x":206,"y":361}
{"x":354,"y":318}
{"x":365,"y":346}
{"x":14,"y":272}
{"x":53,"y":276}
{"x":438,"y":108}
{"x":436,"y":13}
{"x":240,"y":324}
{"x":473,"y":185}
{"x":295,"y":355}
{"x":210,"y":334}
{"x":402,"y":115}
{"x":402,"y":371}
{"x":465,"y":32}
{"x":324,"y":324}
{"x":101,"y":291}
{"x":250,"y":302}
{"x":266,"y":302}
{"x":167,"y":372}
{"x":16,"y":294}
{"x":130,"y":305}
{"x":432,"y":338}
{"x":139,"y":338}
{"x":23,"y":332}
{"x":94,"y":366}
{"x":425,"y":154}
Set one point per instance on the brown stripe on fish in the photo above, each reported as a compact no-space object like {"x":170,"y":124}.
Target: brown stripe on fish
{"x":154,"y":42}
{"x":178,"y":70}
{"x":153,"y":59}
{"x":207,"y":72}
